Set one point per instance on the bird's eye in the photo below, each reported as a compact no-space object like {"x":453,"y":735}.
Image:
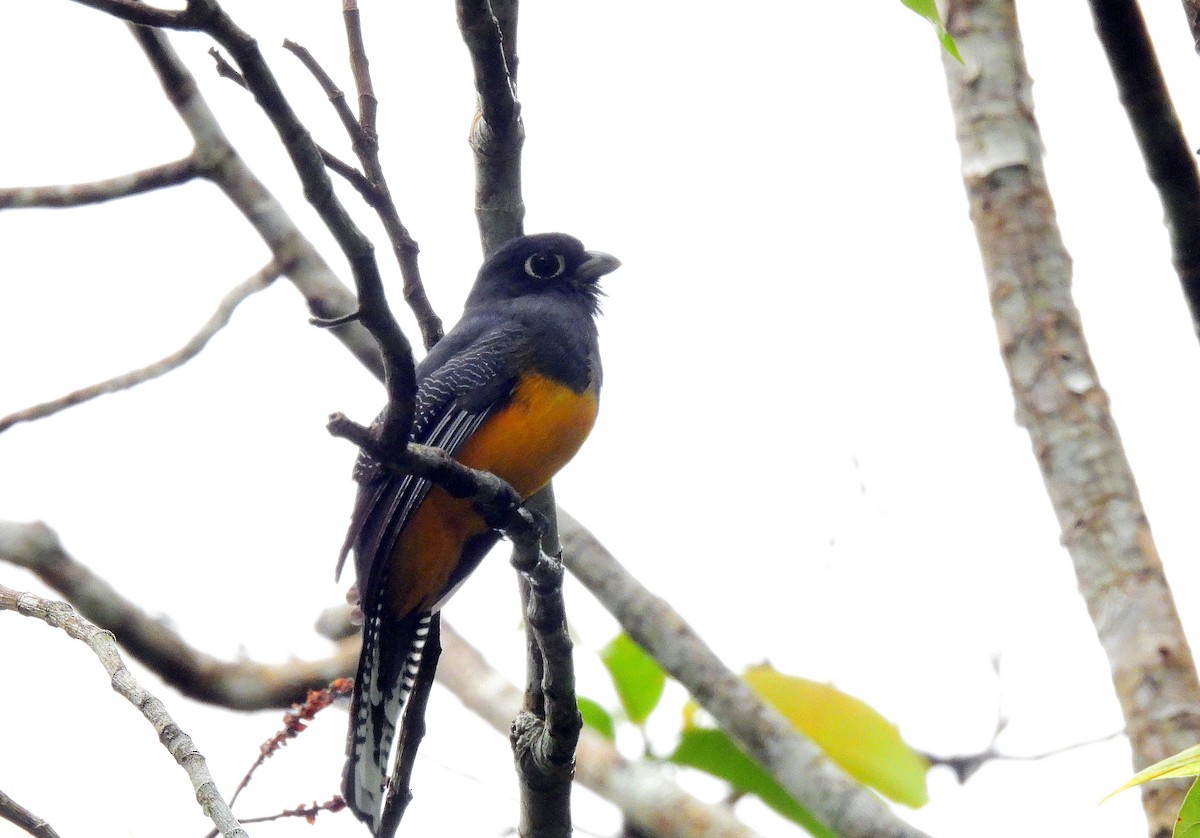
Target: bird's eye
{"x":545,"y":265}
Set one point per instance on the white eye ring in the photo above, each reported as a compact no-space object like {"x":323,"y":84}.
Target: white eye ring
{"x":538,"y":265}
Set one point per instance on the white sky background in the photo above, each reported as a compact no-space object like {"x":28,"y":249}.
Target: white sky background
{"x":806,"y":442}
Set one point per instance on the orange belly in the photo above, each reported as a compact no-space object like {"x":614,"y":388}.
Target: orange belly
{"x":525,"y":444}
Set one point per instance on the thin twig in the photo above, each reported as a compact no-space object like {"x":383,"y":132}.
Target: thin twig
{"x":309,"y":813}
{"x":368,"y":104}
{"x":336,"y":95}
{"x":294,"y":724}
{"x":1169,"y":162}
{"x":965,"y":766}
{"x":15,"y":813}
{"x":104,"y":646}
{"x":80,"y":194}
{"x":139,"y":13}
{"x":311,"y":275}
{"x":226,"y":70}
{"x":195,"y":345}
{"x":404,"y":247}
{"x":338,"y":166}
{"x":364,"y":139}
{"x":374,"y":314}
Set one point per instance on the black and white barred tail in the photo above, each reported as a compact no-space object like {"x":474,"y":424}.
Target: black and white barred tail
{"x":387,"y":672}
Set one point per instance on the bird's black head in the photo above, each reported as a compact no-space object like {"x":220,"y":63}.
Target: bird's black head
{"x":552,"y":263}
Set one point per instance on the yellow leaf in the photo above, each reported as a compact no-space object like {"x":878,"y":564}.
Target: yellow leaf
{"x":1183,"y":764}
{"x":866,"y":745}
{"x":849,"y":730}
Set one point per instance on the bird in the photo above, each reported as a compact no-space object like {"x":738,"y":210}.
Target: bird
{"x":512,"y":389}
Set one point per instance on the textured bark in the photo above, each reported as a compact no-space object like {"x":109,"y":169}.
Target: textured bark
{"x":1059,"y":398}
{"x":102,"y":643}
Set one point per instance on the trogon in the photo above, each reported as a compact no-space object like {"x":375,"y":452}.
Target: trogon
{"x":512,"y":389}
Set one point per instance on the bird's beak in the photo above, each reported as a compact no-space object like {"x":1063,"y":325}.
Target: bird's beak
{"x":597,"y":265}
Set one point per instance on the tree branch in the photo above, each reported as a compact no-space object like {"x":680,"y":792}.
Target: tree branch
{"x":497,"y":133}
{"x":22,"y":818}
{"x":178,"y":744}
{"x":219,"y":320}
{"x":1169,"y":162}
{"x":81,"y":194}
{"x":546,"y":731}
{"x":244,"y":685}
{"x":324,"y":293}
{"x":134,"y":11}
{"x":645,"y":795}
{"x":373,"y":310}
{"x":364,"y":139}
{"x":757,"y":728}
{"x":1059,"y":398}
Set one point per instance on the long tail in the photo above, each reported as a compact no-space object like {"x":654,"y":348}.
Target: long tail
{"x":387,"y":668}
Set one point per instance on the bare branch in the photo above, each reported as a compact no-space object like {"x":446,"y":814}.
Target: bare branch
{"x":294,"y":724}
{"x":374,"y":313}
{"x":324,"y":293}
{"x":309,"y":813}
{"x":15,"y":813}
{"x":178,"y":744}
{"x":644,"y":794}
{"x":338,"y":166}
{"x":545,"y":733}
{"x":368,"y":105}
{"x":81,"y":194}
{"x":226,"y":70}
{"x":134,"y":11}
{"x":242,"y":685}
{"x":1169,"y":162}
{"x":219,"y":320}
{"x":757,"y":728}
{"x":495,"y":500}
{"x":1059,"y":398}
{"x":366,"y":145}
{"x":965,"y":766}
{"x":337,"y":97}
{"x":352,"y":176}
{"x":497,"y":133}
{"x":364,"y":139}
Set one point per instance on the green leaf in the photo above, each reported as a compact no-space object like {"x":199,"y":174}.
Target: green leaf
{"x":928,"y":10}
{"x":1188,"y":825}
{"x":596,"y":717}
{"x":1186,"y":763}
{"x":711,"y":751}
{"x":638,"y":679}
{"x":850,"y":731}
